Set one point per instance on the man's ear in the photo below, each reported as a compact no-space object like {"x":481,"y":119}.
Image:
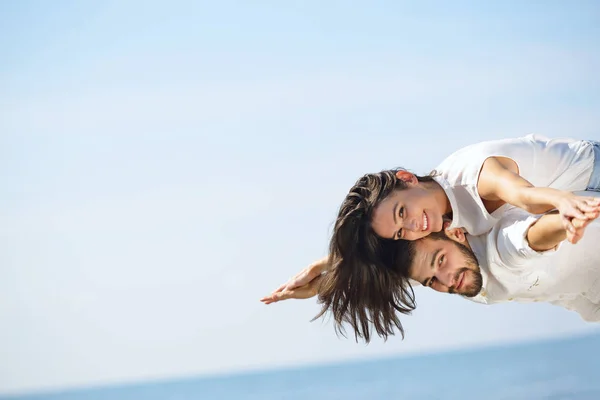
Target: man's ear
{"x":456,"y":234}
{"x":407,"y":177}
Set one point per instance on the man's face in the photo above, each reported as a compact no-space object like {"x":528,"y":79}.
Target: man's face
{"x":446,"y":266}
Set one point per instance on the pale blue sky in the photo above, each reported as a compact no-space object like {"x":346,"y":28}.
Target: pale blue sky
{"x":164,"y":165}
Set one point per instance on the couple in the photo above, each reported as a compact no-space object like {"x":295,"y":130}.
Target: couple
{"x":494,"y":191}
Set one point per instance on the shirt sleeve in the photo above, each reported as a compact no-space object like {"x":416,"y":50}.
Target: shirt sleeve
{"x":513,"y":248}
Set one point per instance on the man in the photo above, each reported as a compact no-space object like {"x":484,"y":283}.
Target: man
{"x":524,"y":258}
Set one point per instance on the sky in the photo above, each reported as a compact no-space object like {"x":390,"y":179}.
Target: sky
{"x":163,"y":165}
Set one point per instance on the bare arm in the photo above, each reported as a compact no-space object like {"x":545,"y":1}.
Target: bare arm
{"x":306,"y":280}
{"x":499,"y":180}
{"x":547,"y":232}
{"x":307,"y":291}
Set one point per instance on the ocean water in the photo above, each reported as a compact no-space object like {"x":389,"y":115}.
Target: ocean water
{"x":565,"y":369}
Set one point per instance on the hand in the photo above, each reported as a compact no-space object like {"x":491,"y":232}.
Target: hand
{"x":581,"y":208}
{"x":303,"y":284}
{"x":580,"y":225}
{"x":303,"y":292}
{"x":303,"y":278}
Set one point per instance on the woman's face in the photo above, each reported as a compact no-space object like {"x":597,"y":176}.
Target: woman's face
{"x":408,"y":214}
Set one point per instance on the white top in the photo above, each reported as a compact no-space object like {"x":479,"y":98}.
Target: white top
{"x":565,"y":164}
{"x":568,"y":276}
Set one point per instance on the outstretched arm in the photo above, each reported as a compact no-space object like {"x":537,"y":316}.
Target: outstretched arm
{"x":307,"y":291}
{"x":499,"y":180}
{"x":298,"y":285}
{"x":548,"y":231}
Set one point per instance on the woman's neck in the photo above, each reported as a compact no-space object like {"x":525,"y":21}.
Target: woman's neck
{"x":440,"y":195}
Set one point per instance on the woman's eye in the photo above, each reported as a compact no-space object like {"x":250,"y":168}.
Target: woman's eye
{"x":401,"y":212}
{"x":441,"y":260}
{"x":432,"y":281}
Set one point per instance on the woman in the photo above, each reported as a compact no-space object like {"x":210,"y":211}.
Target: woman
{"x":472,"y":188}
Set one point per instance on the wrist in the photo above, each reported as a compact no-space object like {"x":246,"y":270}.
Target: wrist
{"x":560,"y":198}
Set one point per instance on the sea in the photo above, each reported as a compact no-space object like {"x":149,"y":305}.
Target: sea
{"x":555,"y":369}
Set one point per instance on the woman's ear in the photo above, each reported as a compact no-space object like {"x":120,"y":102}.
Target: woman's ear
{"x":407,"y":177}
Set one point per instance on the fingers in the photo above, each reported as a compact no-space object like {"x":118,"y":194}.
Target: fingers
{"x":587,"y":204}
{"x":593,"y":201}
{"x":579,"y":225}
{"x":280,"y":288}
{"x":585,"y":207}
{"x":571,"y":224}
{"x":304,"y":293}
{"x":299,"y":286}
{"x":575,"y":237}
{"x":576,"y":213}
{"x":269,"y":298}
{"x":292,"y":283}
{"x":568,"y":224}
{"x":580,"y":207}
{"x":582,"y":223}
{"x":304,"y":278}
{"x":285,"y":295}
{"x":571,"y":238}
{"x":590,"y":201}
{"x":275,"y":297}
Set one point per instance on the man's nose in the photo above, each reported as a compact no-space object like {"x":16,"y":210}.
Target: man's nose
{"x":445,"y":277}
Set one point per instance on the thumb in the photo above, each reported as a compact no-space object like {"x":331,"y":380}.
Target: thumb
{"x":571,"y":237}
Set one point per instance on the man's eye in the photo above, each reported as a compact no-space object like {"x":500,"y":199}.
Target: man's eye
{"x":401,"y":212}
{"x":432,"y":281}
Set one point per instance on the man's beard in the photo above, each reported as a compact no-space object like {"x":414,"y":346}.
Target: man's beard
{"x":472,"y":269}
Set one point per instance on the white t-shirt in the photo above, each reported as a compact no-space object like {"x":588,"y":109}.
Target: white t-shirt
{"x":565,"y":164}
{"x":568,"y":276}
